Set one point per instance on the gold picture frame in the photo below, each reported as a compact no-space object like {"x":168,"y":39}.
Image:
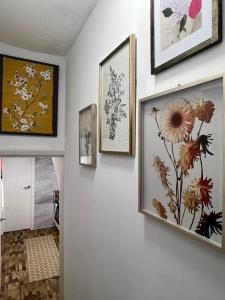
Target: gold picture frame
{"x":118,"y":110}
{"x":157,"y":179}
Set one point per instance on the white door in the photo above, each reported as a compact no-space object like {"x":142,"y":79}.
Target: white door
{"x":17,"y":182}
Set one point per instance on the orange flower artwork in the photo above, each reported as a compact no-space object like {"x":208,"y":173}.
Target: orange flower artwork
{"x":182,"y":129}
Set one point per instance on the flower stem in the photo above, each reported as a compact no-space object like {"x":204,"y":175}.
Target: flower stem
{"x":183,"y":216}
{"x":192,"y":220}
{"x":198,"y":134}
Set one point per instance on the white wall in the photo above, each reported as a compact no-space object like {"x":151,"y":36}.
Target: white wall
{"x":57,"y":163}
{"x":111,"y":251}
{"x":7,"y":143}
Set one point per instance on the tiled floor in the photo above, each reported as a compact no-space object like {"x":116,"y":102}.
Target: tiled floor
{"x":15,"y":284}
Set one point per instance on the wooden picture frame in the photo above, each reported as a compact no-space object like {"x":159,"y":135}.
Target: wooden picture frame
{"x":176,"y":37}
{"x":117,"y":99}
{"x":88,"y":136}
{"x":28,"y":97}
{"x":182,"y":160}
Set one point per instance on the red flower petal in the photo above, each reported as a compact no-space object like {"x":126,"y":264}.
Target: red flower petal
{"x":195,"y":8}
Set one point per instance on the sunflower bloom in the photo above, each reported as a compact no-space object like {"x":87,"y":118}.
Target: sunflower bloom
{"x":162,"y":170}
{"x":161,"y":211}
{"x":204,"y":110}
{"x":189,"y":153}
{"x":191,"y":200}
{"x":203,"y":188}
{"x":177,"y":121}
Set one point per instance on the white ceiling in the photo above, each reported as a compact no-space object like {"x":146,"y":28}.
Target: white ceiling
{"x":48,"y":26}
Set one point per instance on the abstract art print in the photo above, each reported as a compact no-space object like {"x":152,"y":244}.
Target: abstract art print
{"x":29,"y":97}
{"x":117,"y":100}
{"x":87,"y":135}
{"x":181,"y":28}
{"x":181,"y":159}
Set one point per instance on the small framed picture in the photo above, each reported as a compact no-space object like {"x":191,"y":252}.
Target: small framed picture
{"x":117,"y":100}
{"x":88,"y":135}
{"x":28,"y":97}
{"x":182,"y":28}
{"x":181,"y":171}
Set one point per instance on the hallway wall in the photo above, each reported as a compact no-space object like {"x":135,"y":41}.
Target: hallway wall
{"x":111,"y":251}
{"x":31,"y":143}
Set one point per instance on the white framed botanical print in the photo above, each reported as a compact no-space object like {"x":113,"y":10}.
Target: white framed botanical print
{"x":117,"y":100}
{"x":182,"y":28}
{"x":181,"y":159}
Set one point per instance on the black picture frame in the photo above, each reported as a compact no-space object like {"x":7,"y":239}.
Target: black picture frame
{"x":54,"y":98}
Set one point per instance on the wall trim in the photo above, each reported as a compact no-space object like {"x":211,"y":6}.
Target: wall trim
{"x":30,"y":152}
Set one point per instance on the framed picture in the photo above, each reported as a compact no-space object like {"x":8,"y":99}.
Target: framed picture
{"x":28,"y":97}
{"x":88,"y":135}
{"x":181,"y":172}
{"x":182,"y":28}
{"x":117,"y":100}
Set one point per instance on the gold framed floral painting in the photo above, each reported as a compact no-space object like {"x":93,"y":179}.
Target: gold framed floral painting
{"x":181,"y":172}
{"x":28,"y":97}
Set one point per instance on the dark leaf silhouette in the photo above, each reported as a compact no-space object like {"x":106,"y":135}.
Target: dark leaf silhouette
{"x":210,"y":224}
{"x":167,"y":12}
{"x":183,"y":23}
{"x":205,"y":141}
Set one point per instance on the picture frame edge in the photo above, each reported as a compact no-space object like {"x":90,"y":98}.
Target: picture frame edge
{"x":131,"y":40}
{"x":189,"y":53}
{"x":56,"y":69}
{"x":140,"y":161}
{"x":93,"y":108}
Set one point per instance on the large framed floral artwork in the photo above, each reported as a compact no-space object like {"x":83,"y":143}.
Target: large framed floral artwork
{"x":117,"y":100}
{"x":181,"y":178}
{"x":28,"y":97}
{"x":182,"y":28}
{"x":88,"y":136}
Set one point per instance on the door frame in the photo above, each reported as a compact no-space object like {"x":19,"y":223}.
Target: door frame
{"x":53,"y":153}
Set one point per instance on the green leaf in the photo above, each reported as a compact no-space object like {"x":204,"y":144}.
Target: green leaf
{"x":183,"y":23}
{"x":167,"y":12}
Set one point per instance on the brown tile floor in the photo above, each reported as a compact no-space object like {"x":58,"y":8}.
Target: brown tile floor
{"x":15,"y":283}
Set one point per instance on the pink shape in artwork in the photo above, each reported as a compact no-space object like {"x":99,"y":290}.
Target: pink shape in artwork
{"x":195,"y":8}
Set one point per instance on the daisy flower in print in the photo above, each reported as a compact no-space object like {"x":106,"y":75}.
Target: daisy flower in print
{"x":162,"y":170}
{"x":191,"y":200}
{"x":177,"y":121}
{"x":203,"y":188}
{"x":204,"y":110}
{"x":189,"y":153}
{"x":161,"y":211}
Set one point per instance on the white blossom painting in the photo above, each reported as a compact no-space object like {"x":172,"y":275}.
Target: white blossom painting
{"x":29,"y":95}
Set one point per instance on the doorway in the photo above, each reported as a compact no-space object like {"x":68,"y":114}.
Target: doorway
{"x":31,"y":198}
